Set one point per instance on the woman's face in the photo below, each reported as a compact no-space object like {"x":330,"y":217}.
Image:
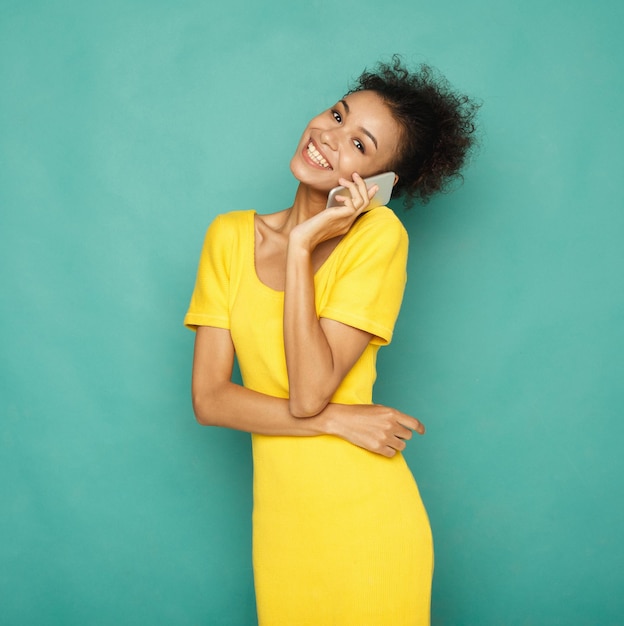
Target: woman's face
{"x":358,"y":134}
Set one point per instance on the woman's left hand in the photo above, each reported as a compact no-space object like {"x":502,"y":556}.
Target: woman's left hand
{"x":337,"y":220}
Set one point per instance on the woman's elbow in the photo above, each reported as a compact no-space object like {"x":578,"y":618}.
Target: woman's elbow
{"x":203,"y":409}
{"x":306,"y":407}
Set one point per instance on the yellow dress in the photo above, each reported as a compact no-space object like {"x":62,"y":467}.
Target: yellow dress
{"x":340,"y":535}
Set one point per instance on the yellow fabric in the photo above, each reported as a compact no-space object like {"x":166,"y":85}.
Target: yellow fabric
{"x":341,"y":537}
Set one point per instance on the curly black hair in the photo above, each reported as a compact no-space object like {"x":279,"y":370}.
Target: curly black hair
{"x":438,"y":126}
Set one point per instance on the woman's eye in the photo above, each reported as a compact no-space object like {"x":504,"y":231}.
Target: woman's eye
{"x":337,"y":116}
{"x":359,"y":145}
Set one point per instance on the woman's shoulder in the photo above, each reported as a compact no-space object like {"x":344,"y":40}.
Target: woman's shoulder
{"x":227,"y":230}
{"x":380,"y":222}
{"x":230,"y":224}
{"x":234,"y":218}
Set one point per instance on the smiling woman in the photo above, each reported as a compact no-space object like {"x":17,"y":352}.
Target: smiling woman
{"x":340,"y":532}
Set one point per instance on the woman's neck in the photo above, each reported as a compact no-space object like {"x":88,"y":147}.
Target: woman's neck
{"x":308,"y":202}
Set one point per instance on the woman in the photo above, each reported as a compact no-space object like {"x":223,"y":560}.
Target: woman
{"x":304,"y":298}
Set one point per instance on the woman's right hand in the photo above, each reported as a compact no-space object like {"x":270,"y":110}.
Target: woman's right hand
{"x":374,"y":427}
{"x":334,"y":221}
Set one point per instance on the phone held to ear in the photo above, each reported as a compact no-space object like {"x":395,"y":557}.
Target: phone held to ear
{"x":385,"y":182}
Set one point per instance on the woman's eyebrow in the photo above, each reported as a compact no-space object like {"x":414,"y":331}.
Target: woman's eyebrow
{"x":366,"y":132}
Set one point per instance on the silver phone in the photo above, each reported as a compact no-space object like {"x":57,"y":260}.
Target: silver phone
{"x":385,"y":182}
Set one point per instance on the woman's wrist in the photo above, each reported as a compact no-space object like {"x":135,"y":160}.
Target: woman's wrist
{"x":330,"y":422}
{"x":301,"y":241}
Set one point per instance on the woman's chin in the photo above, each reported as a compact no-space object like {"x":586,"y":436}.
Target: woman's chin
{"x":315,"y":179}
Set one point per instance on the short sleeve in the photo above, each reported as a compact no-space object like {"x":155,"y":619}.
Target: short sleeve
{"x":210,"y":300}
{"x":370,"y":278}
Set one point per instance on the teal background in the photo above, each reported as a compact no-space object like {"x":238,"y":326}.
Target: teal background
{"x":126,"y":126}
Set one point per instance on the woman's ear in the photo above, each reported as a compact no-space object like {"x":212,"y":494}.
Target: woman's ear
{"x":396,"y":180}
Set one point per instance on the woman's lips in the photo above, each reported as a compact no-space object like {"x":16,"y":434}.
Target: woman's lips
{"x":315,"y":156}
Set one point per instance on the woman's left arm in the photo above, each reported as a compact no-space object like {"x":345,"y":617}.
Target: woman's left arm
{"x":319,"y":352}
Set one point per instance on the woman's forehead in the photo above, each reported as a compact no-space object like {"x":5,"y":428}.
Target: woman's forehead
{"x":368,"y":110}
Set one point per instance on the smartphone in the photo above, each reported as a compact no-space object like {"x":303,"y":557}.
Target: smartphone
{"x":385,"y":182}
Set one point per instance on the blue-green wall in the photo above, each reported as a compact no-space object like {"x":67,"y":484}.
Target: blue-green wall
{"x":126,"y":126}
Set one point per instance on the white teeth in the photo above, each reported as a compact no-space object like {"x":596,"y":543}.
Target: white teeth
{"x":316,"y":156}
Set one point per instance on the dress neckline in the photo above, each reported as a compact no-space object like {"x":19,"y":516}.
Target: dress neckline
{"x":280,"y":292}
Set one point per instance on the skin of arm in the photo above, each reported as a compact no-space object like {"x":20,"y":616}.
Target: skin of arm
{"x":219,"y":402}
{"x":319,"y":352}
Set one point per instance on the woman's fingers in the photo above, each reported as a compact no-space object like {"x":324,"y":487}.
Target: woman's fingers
{"x":360,"y":194}
{"x":381,"y":429}
{"x":374,"y":427}
{"x":404,"y":433}
{"x":354,"y":189}
{"x":402,"y":429}
{"x":412,"y":423}
{"x":362,"y":191}
{"x":344,"y":200}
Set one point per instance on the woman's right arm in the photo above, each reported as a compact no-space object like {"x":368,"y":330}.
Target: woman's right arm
{"x":217,"y":401}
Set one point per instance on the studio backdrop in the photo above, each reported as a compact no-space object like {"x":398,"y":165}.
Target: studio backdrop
{"x":125,"y":127}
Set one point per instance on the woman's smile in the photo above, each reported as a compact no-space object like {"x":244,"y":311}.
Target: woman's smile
{"x":316,"y":156}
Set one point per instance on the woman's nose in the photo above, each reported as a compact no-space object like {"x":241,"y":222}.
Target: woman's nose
{"x":329,"y":138}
